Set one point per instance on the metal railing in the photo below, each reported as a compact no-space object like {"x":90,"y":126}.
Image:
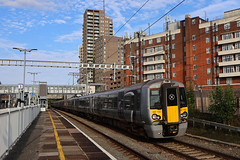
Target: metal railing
{"x":15,"y":122}
{"x":214,"y":124}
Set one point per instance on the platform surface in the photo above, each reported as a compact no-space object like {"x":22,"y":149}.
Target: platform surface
{"x":52,"y":137}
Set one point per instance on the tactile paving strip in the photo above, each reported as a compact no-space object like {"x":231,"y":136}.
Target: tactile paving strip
{"x":74,"y":144}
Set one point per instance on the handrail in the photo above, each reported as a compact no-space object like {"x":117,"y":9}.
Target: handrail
{"x":215,"y":124}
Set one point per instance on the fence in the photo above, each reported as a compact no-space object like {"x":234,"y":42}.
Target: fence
{"x":214,"y":124}
{"x":14,"y":122}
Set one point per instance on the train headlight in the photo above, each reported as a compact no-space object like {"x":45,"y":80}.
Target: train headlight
{"x":184,"y":114}
{"x":155,"y":117}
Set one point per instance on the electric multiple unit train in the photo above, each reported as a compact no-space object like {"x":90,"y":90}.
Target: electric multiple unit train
{"x":156,"y":108}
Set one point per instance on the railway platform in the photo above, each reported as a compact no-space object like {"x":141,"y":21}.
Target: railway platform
{"x":51,"y":136}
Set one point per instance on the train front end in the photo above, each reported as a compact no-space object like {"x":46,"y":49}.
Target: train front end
{"x":165,"y":109}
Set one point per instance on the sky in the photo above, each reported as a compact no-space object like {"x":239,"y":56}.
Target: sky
{"x":54,"y":27}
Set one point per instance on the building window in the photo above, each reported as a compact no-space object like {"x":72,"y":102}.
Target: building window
{"x":166,"y":47}
{"x":137,"y":44}
{"x":194,"y":57}
{"x":173,"y":55}
{"x":207,"y":30}
{"x":159,"y":66}
{"x":173,"y":37}
{"x":238,"y":23}
{"x":208,"y":60}
{"x":143,"y":42}
{"x":167,"y":38}
{"x":238,"y":68}
{"x":150,"y":41}
{"x":150,"y":68}
{"x":227,"y":58}
{"x":226,"y":47}
{"x":207,"y":50}
{"x":237,"y":57}
{"x":209,"y":81}
{"x":237,"y":34}
{"x":157,"y":58}
{"x":227,"y":26}
{"x":159,"y":76}
{"x":193,"y":21}
{"x":228,"y":80}
{"x":174,"y":65}
{"x":173,"y":46}
{"x":174,"y":74}
{"x":194,"y":37}
{"x":150,"y":76}
{"x":149,"y":50}
{"x":207,"y":40}
{"x":228,"y":69}
{"x":149,"y":59}
{"x":237,"y":45}
{"x":195,"y":67}
{"x":194,"y":47}
{"x":208,"y":70}
{"x":158,"y":39}
{"x":195,"y":77}
{"x":158,"y":48}
{"x":227,"y":36}
{"x":215,"y":38}
{"x":215,"y":29}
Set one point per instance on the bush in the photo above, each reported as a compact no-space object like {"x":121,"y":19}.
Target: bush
{"x":223,"y":104}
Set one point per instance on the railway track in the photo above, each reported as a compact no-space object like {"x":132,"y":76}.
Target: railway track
{"x":190,"y":151}
{"x":121,"y":147}
{"x":173,"y":146}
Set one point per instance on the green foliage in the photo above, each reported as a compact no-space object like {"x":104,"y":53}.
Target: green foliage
{"x":191,"y":99}
{"x":223,"y":104}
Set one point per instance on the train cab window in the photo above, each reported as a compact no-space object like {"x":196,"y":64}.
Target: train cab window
{"x":129,"y":100}
{"x":155,"y":102}
{"x":183,"y":98}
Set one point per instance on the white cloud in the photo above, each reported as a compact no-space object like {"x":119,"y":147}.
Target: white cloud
{"x":29,"y":4}
{"x":7,"y":46}
{"x":59,"y":21}
{"x":216,"y":9}
{"x":75,"y":35}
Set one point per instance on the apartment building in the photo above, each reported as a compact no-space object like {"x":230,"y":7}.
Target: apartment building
{"x":109,"y":50}
{"x":95,"y":24}
{"x":204,"y":52}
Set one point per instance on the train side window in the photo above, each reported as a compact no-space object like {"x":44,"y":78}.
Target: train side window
{"x":183,"y":98}
{"x":155,"y":102}
{"x":129,"y":100}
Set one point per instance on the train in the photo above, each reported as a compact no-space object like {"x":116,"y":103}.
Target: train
{"x":154,"y":109}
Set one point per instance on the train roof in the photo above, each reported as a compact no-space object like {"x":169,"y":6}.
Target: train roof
{"x":135,"y":86}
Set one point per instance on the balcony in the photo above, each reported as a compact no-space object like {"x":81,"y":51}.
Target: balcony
{"x":232,"y":40}
{"x":154,"y":71}
{"x":153,"y":53}
{"x":153,"y":62}
{"x":233,"y":51}
{"x":233,"y":74}
{"x":229,"y":63}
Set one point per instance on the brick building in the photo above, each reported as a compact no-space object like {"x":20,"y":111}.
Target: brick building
{"x":204,"y":52}
{"x":109,"y":50}
{"x":95,"y":24}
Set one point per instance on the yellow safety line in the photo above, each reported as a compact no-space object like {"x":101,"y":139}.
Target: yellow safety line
{"x":59,"y":146}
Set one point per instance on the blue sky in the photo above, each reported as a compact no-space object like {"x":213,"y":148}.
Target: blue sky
{"x":54,"y":27}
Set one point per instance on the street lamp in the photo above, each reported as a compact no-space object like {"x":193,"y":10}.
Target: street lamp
{"x":24,"y":50}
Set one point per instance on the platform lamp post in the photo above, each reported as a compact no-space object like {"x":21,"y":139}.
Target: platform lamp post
{"x":24,"y":50}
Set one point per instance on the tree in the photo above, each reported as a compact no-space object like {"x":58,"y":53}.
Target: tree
{"x":223,"y":104}
{"x":191,"y":98}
